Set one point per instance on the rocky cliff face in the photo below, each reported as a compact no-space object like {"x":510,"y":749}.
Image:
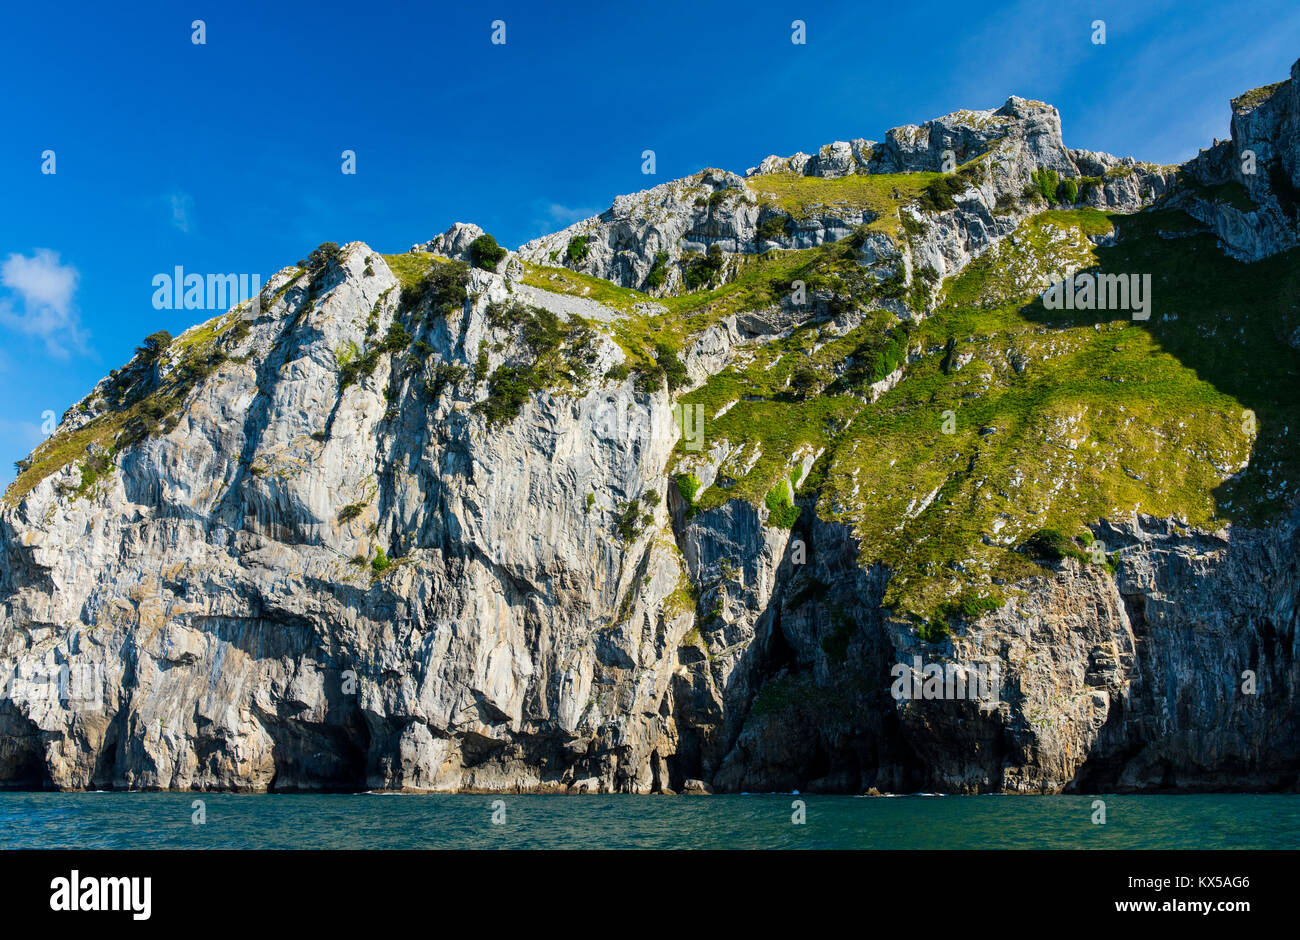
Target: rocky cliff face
{"x":405,"y":523}
{"x":1261,"y":162}
{"x":1124,"y":682}
{"x":1000,"y":148}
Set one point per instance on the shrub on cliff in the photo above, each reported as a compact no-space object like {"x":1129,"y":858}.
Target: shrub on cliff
{"x":1051,"y":545}
{"x":485,"y":253}
{"x":154,"y":345}
{"x":442,"y":287}
{"x":782,"y":512}
{"x":938,"y":193}
{"x":773,"y":227}
{"x":1047,"y":182}
{"x":688,"y":485}
{"x":578,"y":249}
{"x":668,"y":367}
{"x":658,"y":271}
{"x":701,"y":270}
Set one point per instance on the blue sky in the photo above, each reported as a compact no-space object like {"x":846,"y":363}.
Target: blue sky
{"x":225,"y":157}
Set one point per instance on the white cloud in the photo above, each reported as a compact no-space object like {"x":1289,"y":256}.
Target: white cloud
{"x":182,"y":205}
{"x":567,"y":216}
{"x":41,"y":279}
{"x":45,"y":288}
{"x":551,"y":217}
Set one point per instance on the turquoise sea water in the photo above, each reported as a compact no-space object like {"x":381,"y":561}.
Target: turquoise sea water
{"x":359,"y":821}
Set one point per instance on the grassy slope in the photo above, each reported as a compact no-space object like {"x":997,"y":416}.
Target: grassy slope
{"x":759,"y":281}
{"x":137,"y":406}
{"x":880,"y":193}
{"x":1061,"y":418}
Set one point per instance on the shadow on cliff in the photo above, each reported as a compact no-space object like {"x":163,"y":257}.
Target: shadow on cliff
{"x":1235,"y":325}
{"x":806,"y":706}
{"x":1232,"y":323}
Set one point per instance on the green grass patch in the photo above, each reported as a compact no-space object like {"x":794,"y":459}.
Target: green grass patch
{"x":688,"y":485}
{"x":881,"y":194}
{"x":781,"y":512}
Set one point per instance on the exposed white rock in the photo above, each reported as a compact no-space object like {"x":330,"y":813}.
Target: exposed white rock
{"x":547,"y":613}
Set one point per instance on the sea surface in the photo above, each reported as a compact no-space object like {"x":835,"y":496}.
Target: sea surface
{"x":443,"y":821}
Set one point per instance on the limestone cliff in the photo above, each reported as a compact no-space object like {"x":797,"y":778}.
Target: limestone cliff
{"x":404,"y":522}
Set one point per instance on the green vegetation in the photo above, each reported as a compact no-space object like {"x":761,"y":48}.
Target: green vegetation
{"x":702,"y":270}
{"x":347,"y":353}
{"x":1047,"y":182}
{"x":1057,"y":238}
{"x":441,"y":285}
{"x":396,"y":339}
{"x":508,"y":390}
{"x":1059,"y":418}
{"x":138,"y":401}
{"x":936,"y":628}
{"x":351,"y":511}
{"x":836,"y":644}
{"x":485,"y":253}
{"x":667,"y":367}
{"x":658,"y":273}
{"x":1230,"y":193}
{"x":93,"y":468}
{"x":576,"y":284}
{"x":155,"y":344}
{"x":805,"y":380}
{"x":774,"y":226}
{"x":1057,"y":423}
{"x":351,"y":370}
{"x":321,"y":257}
{"x":1011,"y":426}
{"x":380,"y":563}
{"x":556,"y":355}
{"x":1255,"y":97}
{"x":782,"y":512}
{"x":801,"y":698}
{"x":425,"y":282}
{"x":688,"y":485}
{"x":1051,"y":545}
{"x":410,"y":268}
{"x":879,"y":193}
{"x":932,"y":629}
{"x":578,"y":249}
{"x":940,"y":190}
{"x":876,"y":356}
{"x":967,"y":605}
{"x":632,"y":520}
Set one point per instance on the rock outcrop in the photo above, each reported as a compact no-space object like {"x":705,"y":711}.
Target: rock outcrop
{"x":1127,"y":683}
{"x":334,"y":540}
{"x":1262,"y":159}
{"x":717,"y":208}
